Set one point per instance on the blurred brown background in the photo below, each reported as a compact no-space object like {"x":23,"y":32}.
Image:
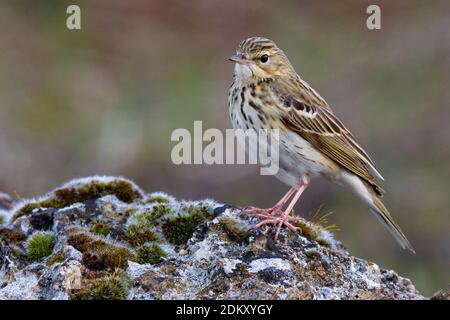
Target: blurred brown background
{"x":104,"y":100}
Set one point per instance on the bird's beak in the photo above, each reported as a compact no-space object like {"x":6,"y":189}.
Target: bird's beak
{"x":239,"y":59}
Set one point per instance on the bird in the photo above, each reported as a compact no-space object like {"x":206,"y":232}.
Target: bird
{"x":267,"y":93}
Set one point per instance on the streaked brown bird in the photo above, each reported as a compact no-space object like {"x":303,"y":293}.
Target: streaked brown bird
{"x":267,"y":93}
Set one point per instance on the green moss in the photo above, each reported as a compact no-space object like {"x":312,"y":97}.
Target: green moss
{"x":235,"y":230}
{"x":197,"y":208}
{"x":323,"y":242}
{"x":306,"y":228}
{"x":123,"y":190}
{"x":151,"y":253}
{"x":157,"y":198}
{"x":113,"y":287}
{"x":27,"y":208}
{"x":30,"y":207}
{"x":130,"y":211}
{"x":151,"y":217}
{"x":99,"y":254}
{"x":16,"y":252}
{"x":2,"y":219}
{"x":56,"y":257}
{"x":63,"y":197}
{"x":311,"y":231}
{"x":317,"y":228}
{"x":159,"y":211}
{"x":139,"y":233}
{"x":178,"y":229}
{"x":40,"y":245}
{"x":100,"y":227}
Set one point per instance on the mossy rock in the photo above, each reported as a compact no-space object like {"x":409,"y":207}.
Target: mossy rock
{"x":159,"y":211}
{"x":30,"y":207}
{"x":56,"y":257}
{"x":123,"y":190}
{"x":40,"y":245}
{"x":100,"y":227}
{"x":66,"y":196}
{"x":12,"y":236}
{"x":150,"y":253}
{"x":112,"y":287}
{"x":235,"y":230}
{"x":179,"y":229}
{"x":312,"y":231}
{"x":158,"y":198}
{"x":151,"y":217}
{"x":306,"y":228}
{"x":140,"y":233}
{"x":18,"y":253}
{"x":99,"y":254}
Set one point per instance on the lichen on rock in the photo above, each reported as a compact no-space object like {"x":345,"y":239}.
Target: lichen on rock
{"x":111,"y":240}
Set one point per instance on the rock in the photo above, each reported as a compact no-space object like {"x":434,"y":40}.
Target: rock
{"x":41,"y":220}
{"x":443,"y":294}
{"x":107,"y":230}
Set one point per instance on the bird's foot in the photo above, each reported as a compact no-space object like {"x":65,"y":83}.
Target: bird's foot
{"x":262,"y":213}
{"x":283,"y":220}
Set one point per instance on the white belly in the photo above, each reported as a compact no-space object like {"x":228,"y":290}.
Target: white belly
{"x":297,"y":157}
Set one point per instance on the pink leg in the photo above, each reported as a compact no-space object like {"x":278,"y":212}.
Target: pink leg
{"x":285,"y":217}
{"x":286,"y":214}
{"x":285,"y":198}
{"x":265,"y":213}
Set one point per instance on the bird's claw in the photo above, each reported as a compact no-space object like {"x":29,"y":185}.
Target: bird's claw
{"x":283,"y":220}
{"x":261,"y":212}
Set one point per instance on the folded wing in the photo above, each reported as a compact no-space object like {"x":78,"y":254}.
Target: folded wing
{"x":320,"y":127}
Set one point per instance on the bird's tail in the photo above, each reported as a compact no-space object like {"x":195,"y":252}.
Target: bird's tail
{"x":367,"y":193}
{"x":386,"y":219}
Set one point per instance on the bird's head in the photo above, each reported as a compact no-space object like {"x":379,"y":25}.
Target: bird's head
{"x":260,"y":58}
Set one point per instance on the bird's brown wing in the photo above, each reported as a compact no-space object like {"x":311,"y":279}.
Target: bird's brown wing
{"x":321,"y":128}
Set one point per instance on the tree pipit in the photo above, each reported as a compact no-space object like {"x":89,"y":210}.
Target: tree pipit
{"x":267,"y":93}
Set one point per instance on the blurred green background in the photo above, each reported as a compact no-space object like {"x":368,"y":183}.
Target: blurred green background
{"x":104,"y":100}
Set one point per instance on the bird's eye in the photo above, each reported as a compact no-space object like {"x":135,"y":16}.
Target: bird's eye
{"x":264,"y":58}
